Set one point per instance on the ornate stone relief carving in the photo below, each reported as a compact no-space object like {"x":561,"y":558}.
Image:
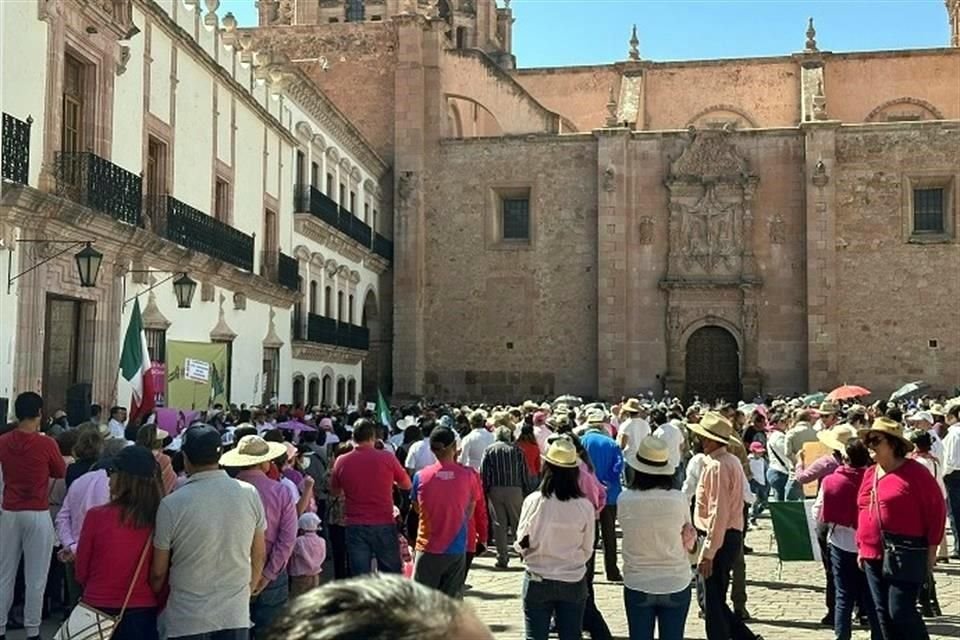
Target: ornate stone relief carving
{"x":609,"y":179}
{"x":645,"y":235}
{"x":777,"y":231}
{"x":239,"y":301}
{"x":208,"y":292}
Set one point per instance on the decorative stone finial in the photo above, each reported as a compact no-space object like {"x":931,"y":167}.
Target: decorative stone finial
{"x":811,"y":37}
{"x":506,"y":3}
{"x":611,"y":110}
{"x":210,"y":19}
{"x":634,"y":45}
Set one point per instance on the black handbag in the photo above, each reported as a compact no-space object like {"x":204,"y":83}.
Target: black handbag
{"x":905,"y":558}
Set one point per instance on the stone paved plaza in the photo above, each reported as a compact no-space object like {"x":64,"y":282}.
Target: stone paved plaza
{"x":784,"y":605}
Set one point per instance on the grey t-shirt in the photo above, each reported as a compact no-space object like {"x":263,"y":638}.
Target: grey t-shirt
{"x":208,"y":524}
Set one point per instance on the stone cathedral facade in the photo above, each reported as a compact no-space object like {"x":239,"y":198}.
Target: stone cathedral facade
{"x":712,"y":227}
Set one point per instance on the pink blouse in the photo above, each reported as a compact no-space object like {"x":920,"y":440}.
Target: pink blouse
{"x":592,"y":489}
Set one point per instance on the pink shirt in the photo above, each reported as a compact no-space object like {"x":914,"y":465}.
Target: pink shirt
{"x":593,"y":490}
{"x":719,"y":499}
{"x":309,"y":552}
{"x":90,"y":490}
{"x":910,"y":504}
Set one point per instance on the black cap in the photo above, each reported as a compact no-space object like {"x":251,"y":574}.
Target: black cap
{"x":135,"y":461}
{"x":441,"y":438}
{"x":201,"y":442}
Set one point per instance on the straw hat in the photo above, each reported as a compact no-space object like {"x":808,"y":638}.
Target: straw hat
{"x":938,"y":410}
{"x":890,"y":428}
{"x":653,"y":457}
{"x":837,"y":437}
{"x":828,"y":408}
{"x":632,"y":405}
{"x":562,"y":453}
{"x":921,"y":416}
{"x":596,"y":416}
{"x":713,"y":426}
{"x":252,"y":450}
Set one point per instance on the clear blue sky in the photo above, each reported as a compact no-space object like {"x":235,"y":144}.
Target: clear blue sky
{"x":570,"y":32}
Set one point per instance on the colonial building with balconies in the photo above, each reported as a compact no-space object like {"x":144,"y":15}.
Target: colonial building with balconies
{"x":150,"y":157}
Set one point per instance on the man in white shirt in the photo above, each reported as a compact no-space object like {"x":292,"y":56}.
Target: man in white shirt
{"x":118,"y":422}
{"x":923,"y":421}
{"x":476,"y":442}
{"x":634,"y":429}
{"x":951,"y":473}
{"x":829,"y":414}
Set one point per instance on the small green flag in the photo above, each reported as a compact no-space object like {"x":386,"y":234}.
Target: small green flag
{"x":794,"y":527}
{"x":383,"y":410}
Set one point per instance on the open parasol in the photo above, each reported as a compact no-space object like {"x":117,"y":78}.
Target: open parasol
{"x":909,"y":389}
{"x":847,"y":391}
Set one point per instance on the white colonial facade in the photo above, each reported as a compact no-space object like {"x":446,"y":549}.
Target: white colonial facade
{"x":150,"y":130}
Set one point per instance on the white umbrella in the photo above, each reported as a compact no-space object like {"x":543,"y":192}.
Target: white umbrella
{"x":908,"y":390}
{"x":953,"y":402}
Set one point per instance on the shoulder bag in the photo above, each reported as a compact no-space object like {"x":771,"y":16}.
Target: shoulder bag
{"x":89,"y":623}
{"x":905,"y":558}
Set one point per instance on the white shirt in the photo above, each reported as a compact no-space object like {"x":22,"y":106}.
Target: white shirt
{"x":473,"y":445}
{"x":560,"y":536}
{"x":654,"y":560}
{"x":951,"y":450}
{"x":936,"y":470}
{"x":843,"y":538}
{"x":670,"y":433}
{"x":116,"y":429}
{"x":777,"y":446}
{"x":936,"y":444}
{"x":692,"y":479}
{"x":635,"y":430}
{"x":419,"y":456}
{"x":758,"y":469}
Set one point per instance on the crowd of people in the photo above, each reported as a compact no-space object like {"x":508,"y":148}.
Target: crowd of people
{"x":219,"y":529}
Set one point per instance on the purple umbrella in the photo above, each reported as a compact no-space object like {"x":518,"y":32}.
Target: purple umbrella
{"x":295,"y":426}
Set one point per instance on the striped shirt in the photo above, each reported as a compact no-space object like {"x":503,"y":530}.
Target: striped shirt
{"x":503,"y":465}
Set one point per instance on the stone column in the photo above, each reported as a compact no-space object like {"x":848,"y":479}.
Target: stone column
{"x":822,"y":299}
{"x":612,"y":274}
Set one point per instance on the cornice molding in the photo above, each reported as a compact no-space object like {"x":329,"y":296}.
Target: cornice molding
{"x":31,"y":209}
{"x":192,"y":47}
{"x":311,"y":227}
{"x":316,"y":352}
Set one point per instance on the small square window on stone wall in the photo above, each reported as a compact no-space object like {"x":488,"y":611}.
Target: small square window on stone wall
{"x":929,"y":208}
{"x":516,"y":218}
{"x":511,"y":220}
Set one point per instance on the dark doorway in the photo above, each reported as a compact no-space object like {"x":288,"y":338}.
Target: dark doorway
{"x":67,"y":349}
{"x":713,"y":366}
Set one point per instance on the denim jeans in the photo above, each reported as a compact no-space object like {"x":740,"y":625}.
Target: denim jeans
{"x":761,"y":491}
{"x":896,"y":605}
{"x":546,"y":599}
{"x":222,"y":634}
{"x":851,"y":589}
{"x":138,"y":623}
{"x":265,"y":606}
{"x":668,"y":611}
{"x":368,"y":542}
{"x":721,"y":623}
{"x":794,"y":490}
{"x":777,"y":481}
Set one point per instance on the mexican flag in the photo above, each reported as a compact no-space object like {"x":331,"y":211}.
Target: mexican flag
{"x":135,"y":365}
{"x":383,"y":410}
{"x":795,"y":529}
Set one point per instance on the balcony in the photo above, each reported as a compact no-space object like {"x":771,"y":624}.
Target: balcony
{"x":88,"y":179}
{"x":195,"y":230}
{"x":16,"y":149}
{"x":310,"y":200}
{"x":327,"y":331}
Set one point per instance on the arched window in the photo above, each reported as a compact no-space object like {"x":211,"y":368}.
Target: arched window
{"x":350,"y":309}
{"x":461,"y":37}
{"x":351,"y":391}
{"x":313,"y":296}
{"x":327,"y":300}
{"x":355,"y":10}
{"x":339,"y":306}
{"x":341,"y":392}
{"x":298,"y":390}
{"x":313,"y":392}
{"x":327,"y":389}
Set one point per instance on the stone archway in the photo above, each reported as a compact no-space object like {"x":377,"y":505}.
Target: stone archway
{"x":712,"y":365}
{"x":370,"y":368}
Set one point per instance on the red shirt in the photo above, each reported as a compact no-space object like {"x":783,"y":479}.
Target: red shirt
{"x":29,"y":461}
{"x":366,"y":476}
{"x":478,"y":527}
{"x":107,"y":558}
{"x":910,"y":504}
{"x":531,"y":454}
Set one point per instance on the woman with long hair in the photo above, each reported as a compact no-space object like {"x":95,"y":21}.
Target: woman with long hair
{"x":527,"y":443}
{"x":901,"y":512}
{"x":657,"y":532}
{"x":153,"y":438}
{"x":555,"y":538}
{"x":121,"y":531}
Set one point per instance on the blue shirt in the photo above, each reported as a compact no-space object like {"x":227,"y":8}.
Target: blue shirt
{"x":607,"y":461}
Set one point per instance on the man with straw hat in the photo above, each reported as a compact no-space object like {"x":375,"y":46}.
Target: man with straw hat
{"x":253,"y":456}
{"x":719,"y":514}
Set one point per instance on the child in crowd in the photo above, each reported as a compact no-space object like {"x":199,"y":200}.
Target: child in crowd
{"x":309,"y":553}
{"x":758,"y":484}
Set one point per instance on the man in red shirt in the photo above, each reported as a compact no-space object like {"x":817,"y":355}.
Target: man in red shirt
{"x":365,"y":477}
{"x":28,"y":460}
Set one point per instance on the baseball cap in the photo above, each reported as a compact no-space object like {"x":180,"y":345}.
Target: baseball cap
{"x":441,"y":438}
{"x":201,"y":442}
{"x":309,"y":521}
{"x":135,"y":461}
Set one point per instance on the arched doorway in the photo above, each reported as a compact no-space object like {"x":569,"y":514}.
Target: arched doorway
{"x":341,"y":392}
{"x":297,"y":391}
{"x":351,"y":391}
{"x":712,"y":365}
{"x":313,"y":392}
{"x":370,"y":369}
{"x":327,"y":390}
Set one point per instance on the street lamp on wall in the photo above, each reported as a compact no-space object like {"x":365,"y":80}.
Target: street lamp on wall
{"x":184,"y":287}
{"x":88,"y":261}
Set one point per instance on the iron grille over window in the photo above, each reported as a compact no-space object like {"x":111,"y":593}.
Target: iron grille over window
{"x":928,"y":211}
{"x":196,"y":230}
{"x":156,"y":344}
{"x":355,"y":10}
{"x":16,"y":149}
{"x":88,"y":179}
{"x":516,"y":219}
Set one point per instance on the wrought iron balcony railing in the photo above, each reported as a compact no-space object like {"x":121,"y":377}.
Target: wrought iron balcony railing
{"x":311,"y":200}
{"x":324,"y":330}
{"x":193,"y":229}
{"x":288,"y":271}
{"x":94,"y":182}
{"x":16,"y":149}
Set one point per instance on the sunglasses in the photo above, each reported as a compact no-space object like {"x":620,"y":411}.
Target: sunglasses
{"x":873,"y":440}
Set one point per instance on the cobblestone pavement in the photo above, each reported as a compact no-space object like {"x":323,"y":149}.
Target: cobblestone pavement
{"x":784,"y":604}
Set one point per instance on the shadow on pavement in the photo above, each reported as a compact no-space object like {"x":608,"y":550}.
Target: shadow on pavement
{"x":781,"y":586}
